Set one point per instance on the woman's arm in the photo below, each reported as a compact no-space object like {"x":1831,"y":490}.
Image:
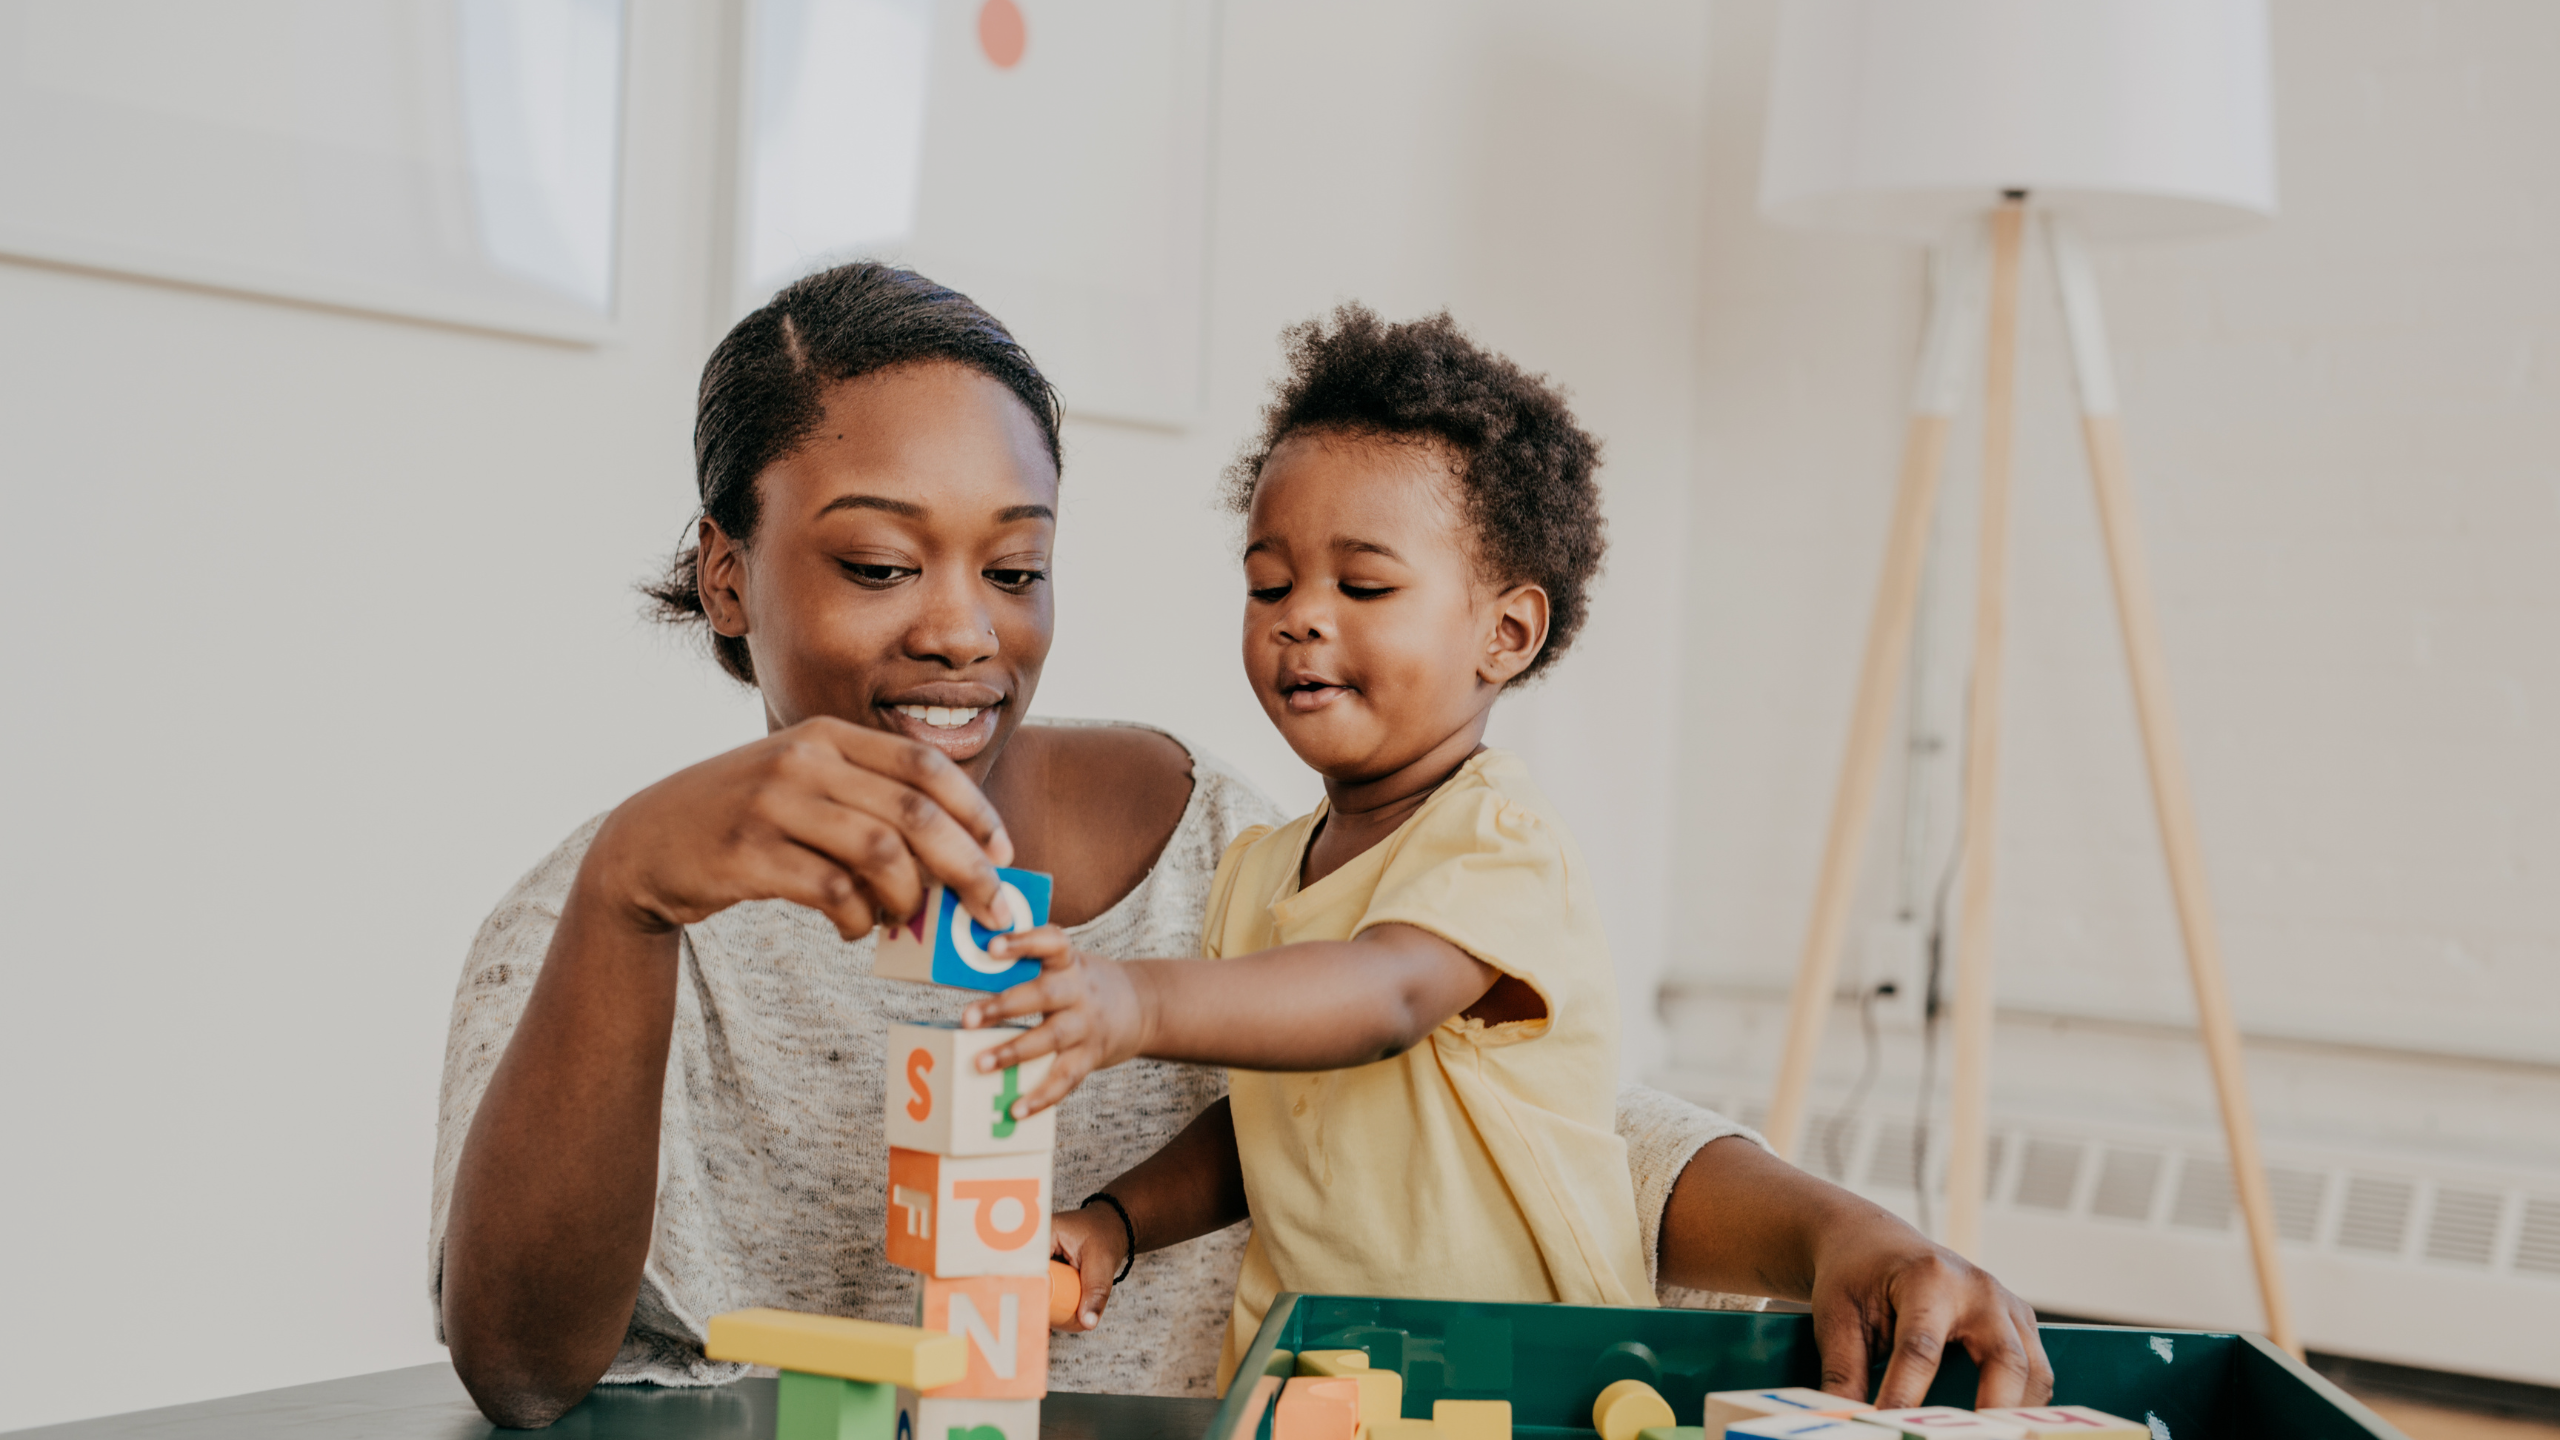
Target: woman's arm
{"x":552,"y":1199}
{"x":1739,"y":1219}
{"x":1192,"y":1187}
{"x":1315,"y":1005}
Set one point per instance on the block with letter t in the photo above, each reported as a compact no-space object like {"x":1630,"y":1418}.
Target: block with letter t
{"x":942,"y":944}
{"x":941,"y":1104}
{"x":959,"y":1215}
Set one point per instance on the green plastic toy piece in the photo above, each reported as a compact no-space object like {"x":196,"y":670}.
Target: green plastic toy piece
{"x":1673,"y":1432}
{"x":822,"y":1407}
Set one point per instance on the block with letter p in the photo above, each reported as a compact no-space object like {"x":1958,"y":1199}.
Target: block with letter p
{"x":1005,"y":1320}
{"x":938,"y":1101}
{"x":942,"y":944}
{"x":959,"y":1215}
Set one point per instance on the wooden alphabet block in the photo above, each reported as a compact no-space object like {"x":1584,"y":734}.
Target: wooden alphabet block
{"x":1066,"y":1292}
{"x":823,"y":1407}
{"x":942,"y":944}
{"x":2072,"y":1422}
{"x":1474,"y":1419}
{"x":1728,"y":1407}
{"x":1678,"y":1432}
{"x":1807,"y":1427}
{"x":1932,"y":1421}
{"x":940,"y":1104}
{"x":941,"y":1417}
{"x":1317,"y":1407}
{"x":832,"y":1345}
{"x":1000,"y":1316}
{"x":1332,"y":1362}
{"x":1401,"y":1429}
{"x":1628,"y":1408}
{"x":953,"y":1215}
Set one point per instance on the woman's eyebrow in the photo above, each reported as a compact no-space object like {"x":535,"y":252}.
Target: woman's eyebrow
{"x":1011,"y":513}
{"x":908,"y":508}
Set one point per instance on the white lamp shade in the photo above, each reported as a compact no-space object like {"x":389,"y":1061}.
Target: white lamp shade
{"x":2140,"y":117}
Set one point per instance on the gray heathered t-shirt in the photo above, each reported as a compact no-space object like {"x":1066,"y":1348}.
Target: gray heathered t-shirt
{"x":772,"y":1163}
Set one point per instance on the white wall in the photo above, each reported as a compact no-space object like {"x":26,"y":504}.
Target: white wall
{"x":2343,"y":428}
{"x":329,"y":635}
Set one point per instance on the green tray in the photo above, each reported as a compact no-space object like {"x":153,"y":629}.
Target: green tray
{"x":1550,"y":1362}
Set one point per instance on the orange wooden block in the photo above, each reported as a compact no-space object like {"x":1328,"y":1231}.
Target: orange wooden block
{"x":1000,"y":1316}
{"x":969,"y":1215}
{"x":1066,"y":1292}
{"x":1317,"y":1407}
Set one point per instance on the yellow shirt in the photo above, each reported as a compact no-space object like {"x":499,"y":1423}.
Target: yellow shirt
{"x":1483,"y":1164}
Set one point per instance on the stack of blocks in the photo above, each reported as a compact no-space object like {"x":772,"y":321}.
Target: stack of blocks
{"x":969,"y":1201}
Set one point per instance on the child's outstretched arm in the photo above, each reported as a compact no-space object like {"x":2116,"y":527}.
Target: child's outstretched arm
{"x":1191,"y":1187}
{"x":1317,"y":1005}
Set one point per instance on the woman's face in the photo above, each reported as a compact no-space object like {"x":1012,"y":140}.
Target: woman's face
{"x":898,"y":576}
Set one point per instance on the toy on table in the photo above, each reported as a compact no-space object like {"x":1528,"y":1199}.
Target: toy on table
{"x":1807,"y":1427}
{"x":1929,"y":1422}
{"x":2072,"y":1422}
{"x":1628,"y":1408}
{"x":969,"y":1205}
{"x":1726,"y":1408}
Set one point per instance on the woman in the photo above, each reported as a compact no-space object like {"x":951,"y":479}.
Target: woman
{"x":663,"y":1083}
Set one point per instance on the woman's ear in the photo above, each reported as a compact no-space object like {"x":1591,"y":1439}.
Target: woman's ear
{"x":720,"y":576}
{"x":1519,"y":632}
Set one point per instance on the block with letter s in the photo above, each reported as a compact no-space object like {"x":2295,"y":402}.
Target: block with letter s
{"x":938,"y":1101}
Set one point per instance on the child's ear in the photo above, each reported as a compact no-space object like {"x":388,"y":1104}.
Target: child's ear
{"x":720,"y":573}
{"x":1518,"y":633}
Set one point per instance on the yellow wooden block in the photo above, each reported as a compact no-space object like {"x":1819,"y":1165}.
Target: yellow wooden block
{"x":1401,"y":1429}
{"x":1332,"y":1362}
{"x":1381,"y":1395}
{"x":1471,"y":1419}
{"x":1627,"y":1409}
{"x":831,"y":1345}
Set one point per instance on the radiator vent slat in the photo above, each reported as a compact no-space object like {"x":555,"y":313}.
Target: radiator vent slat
{"x":2298,"y":1194}
{"x":2205,"y":1199}
{"x":2049,"y":1174}
{"x":2376,"y":1218}
{"x":2538,"y":1242}
{"x":1830,"y":1142}
{"x":2464,"y":1229}
{"x":2126,"y":1183}
{"x":1896,"y":1161}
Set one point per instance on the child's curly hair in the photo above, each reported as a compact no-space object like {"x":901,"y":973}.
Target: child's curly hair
{"x":1525,"y":468}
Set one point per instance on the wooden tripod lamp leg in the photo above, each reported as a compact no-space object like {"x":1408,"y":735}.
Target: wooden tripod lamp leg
{"x":1968,"y":1147}
{"x":1954,"y":301}
{"x":2171,"y":795}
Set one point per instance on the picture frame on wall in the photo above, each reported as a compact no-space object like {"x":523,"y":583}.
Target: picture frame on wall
{"x":456,"y":161}
{"x":1049,"y":158}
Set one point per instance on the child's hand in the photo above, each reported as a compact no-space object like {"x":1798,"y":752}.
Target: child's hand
{"x":1093,"y":1241}
{"x":1092,"y":1015}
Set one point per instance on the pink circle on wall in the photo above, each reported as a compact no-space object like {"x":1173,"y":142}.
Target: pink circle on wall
{"x":1001,"y":33}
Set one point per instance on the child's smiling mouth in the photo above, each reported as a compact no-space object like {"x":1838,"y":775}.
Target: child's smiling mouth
{"x":1304,"y":694}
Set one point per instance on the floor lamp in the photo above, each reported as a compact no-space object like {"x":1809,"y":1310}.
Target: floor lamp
{"x":1949,"y":121}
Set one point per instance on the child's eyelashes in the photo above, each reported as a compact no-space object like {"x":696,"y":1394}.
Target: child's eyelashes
{"x":1366,"y":592}
{"x":1269,"y":594}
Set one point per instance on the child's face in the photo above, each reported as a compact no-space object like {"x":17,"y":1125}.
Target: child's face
{"x":1369,"y":634}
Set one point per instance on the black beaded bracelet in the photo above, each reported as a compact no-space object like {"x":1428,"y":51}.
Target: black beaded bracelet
{"x":1126,"y":1228}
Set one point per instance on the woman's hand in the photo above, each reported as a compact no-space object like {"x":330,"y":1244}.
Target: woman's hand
{"x":850,"y":822}
{"x":1741,"y":1220}
{"x":1093,"y":1014}
{"x":1095,"y":1242}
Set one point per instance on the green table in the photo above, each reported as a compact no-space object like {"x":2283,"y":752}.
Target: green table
{"x":426,"y":1402}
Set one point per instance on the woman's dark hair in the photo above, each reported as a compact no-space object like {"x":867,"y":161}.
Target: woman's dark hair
{"x":1526,"y":471}
{"x":764,"y":392}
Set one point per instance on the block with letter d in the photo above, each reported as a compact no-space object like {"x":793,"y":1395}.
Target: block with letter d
{"x":942,"y":944}
{"x":960,"y":1215}
{"x":938,"y":1102}
{"x":1005,"y":1319}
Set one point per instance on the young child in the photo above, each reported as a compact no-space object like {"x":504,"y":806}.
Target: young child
{"x":1410,"y":984}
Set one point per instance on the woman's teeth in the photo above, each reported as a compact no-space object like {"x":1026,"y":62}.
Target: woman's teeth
{"x":940,"y":717}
